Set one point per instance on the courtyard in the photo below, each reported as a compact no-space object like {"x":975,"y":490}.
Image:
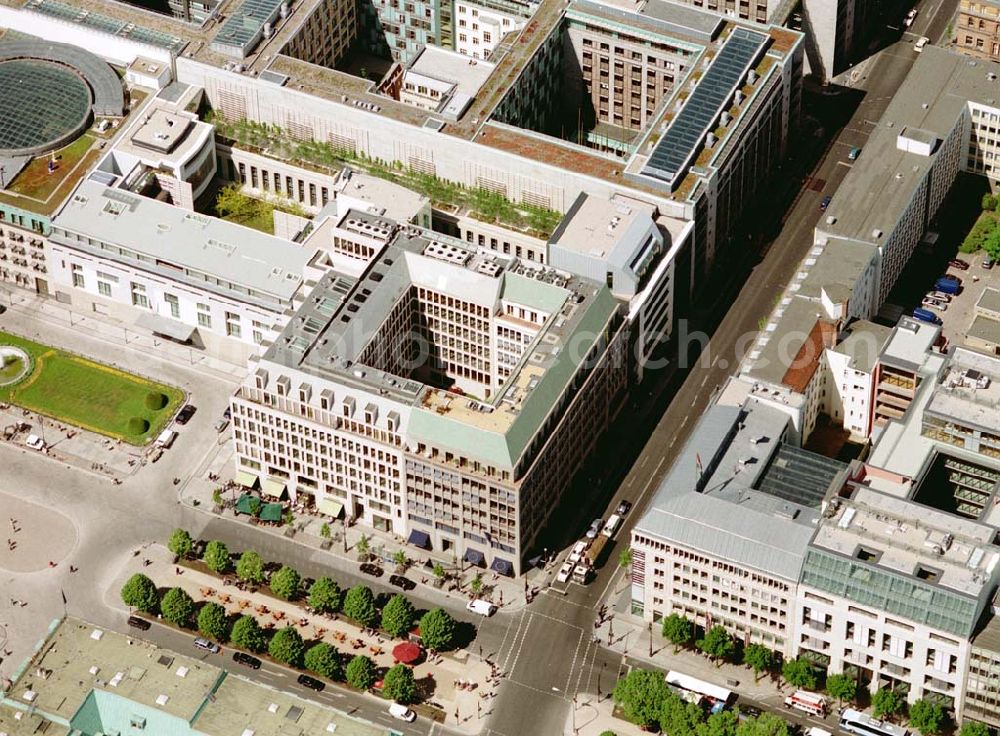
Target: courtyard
{"x":89,"y":395}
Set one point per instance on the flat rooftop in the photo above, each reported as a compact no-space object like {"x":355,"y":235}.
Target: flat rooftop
{"x":161,"y":130}
{"x":82,"y":674}
{"x":881,"y":183}
{"x":989,"y":300}
{"x":708,"y":502}
{"x":383,"y":197}
{"x":886,"y":531}
{"x":444,"y":65}
{"x":985,"y":329}
{"x":198,"y":246}
{"x":969,"y":391}
{"x":910,"y":342}
{"x":595,"y":226}
{"x":862,"y":344}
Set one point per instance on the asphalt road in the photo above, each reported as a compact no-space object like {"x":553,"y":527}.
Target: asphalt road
{"x":548,"y":652}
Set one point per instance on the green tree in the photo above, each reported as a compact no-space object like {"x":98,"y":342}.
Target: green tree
{"x":766,"y":724}
{"x":989,"y":202}
{"x":180,"y":543}
{"x":400,"y":558}
{"x":476,"y":585}
{"x":887,"y":703}
{"x":361,"y":672}
{"x":287,"y":646}
{"x":140,"y":592}
{"x":213,"y":622}
{"x":625,"y":559}
{"x":250,"y":567}
{"x":607,"y":733}
{"x":723,"y":723}
{"x":324,"y":531}
{"x":842,"y":687}
{"x":977,"y":236}
{"x":397,"y":616}
{"x":717,"y":643}
{"x":217,"y":557}
{"x":992,"y":244}
{"x":679,"y":718}
{"x":247,"y":634}
{"x":177,"y":607}
{"x":324,"y":660}
{"x":974,"y":728}
{"x":678,"y":630}
{"x":363,"y":547}
{"x":439,"y":572}
{"x":359,"y":604}
{"x":324,"y":596}
{"x":398,"y":684}
{"x":437,"y":630}
{"x":799,"y":672}
{"x":641,"y":695}
{"x":759,"y":658}
{"x":928,"y":718}
{"x":285,"y":583}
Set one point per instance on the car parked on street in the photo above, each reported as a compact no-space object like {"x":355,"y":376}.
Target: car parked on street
{"x":184,"y":415}
{"x":401,"y":581}
{"x":925,"y":315}
{"x":595,"y":528}
{"x":35,"y":442}
{"x":959,"y":264}
{"x":854,"y":153}
{"x":312,"y":683}
{"x":623,"y":508}
{"x":934,"y":304}
{"x":246,"y":660}
{"x":402,"y":713}
{"x":139,"y":623}
{"x":940,"y":296}
{"x":565,"y":571}
{"x":208,"y":646}
{"x":483,"y":608}
{"x":987,"y":263}
{"x":825,"y":202}
{"x":921,"y":42}
{"x":370,"y":568}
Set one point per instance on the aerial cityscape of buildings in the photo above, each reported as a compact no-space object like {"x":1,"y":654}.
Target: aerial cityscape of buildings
{"x":427,"y":285}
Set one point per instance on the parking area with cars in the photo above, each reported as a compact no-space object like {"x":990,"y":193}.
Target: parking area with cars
{"x":951,"y":299}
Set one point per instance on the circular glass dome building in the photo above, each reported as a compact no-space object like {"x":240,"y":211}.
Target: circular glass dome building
{"x":45,"y":105}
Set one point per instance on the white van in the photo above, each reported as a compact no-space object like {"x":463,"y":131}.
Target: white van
{"x":166,"y":438}
{"x":402,"y":712}
{"x":611,"y":525}
{"x":483,"y":608}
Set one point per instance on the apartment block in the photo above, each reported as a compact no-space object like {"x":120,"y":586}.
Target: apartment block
{"x":982,"y":685}
{"x":326,"y":33}
{"x":901,"y":367}
{"x":724,"y":538}
{"x":445,"y":396}
{"x":481,"y":26}
{"x":977,"y":29}
{"x":852,"y":363}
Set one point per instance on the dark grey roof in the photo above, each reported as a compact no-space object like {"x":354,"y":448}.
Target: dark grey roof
{"x":798,"y":475}
{"x":674,"y":151}
{"x":107,"y":24}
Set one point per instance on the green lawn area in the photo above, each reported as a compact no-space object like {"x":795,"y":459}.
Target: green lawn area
{"x":36,"y":182}
{"x":91,"y":395}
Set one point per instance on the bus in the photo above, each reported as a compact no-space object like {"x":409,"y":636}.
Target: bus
{"x":717,"y":696}
{"x":811,"y":703}
{"x":856,"y":722}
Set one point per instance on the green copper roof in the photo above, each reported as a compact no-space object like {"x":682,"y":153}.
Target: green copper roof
{"x":532,"y":292}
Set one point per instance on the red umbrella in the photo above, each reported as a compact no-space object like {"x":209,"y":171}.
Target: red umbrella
{"x":407,"y":652}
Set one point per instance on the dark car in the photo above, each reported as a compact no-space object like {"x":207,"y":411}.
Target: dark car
{"x":949,"y":277}
{"x":623,"y":508}
{"x":959,"y":264}
{"x":311,"y":682}
{"x":184,"y":415}
{"x":246,"y":660}
{"x":401,"y":581}
{"x":138,"y":623}
{"x":369,"y":568}
{"x":749,"y":711}
{"x":825,"y":202}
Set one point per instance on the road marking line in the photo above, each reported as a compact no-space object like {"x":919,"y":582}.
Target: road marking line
{"x":572,"y":664}
{"x":520,"y":646}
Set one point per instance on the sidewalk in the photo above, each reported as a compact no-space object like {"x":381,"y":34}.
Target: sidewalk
{"x":464,"y":709}
{"x":29,"y":307}
{"x":504,"y":592}
{"x":630,"y":636}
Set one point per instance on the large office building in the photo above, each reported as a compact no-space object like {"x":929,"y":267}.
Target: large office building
{"x":83,"y":679}
{"x":445,"y":395}
{"x":723,"y":540}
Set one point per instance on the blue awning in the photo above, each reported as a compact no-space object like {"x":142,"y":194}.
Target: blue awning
{"x":419,"y":539}
{"x":474,"y":557}
{"x":502,"y":566}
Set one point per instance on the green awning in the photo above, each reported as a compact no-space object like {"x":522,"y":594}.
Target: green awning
{"x":330,"y":507}
{"x":273,"y":487}
{"x":245,"y":504}
{"x":271,"y":512}
{"x":247,"y":479}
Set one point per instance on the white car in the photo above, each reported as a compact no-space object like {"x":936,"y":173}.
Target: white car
{"x":611,"y":525}
{"x":577,"y":553}
{"x":483,"y":608}
{"x":402,"y":713}
{"x":35,"y":442}
{"x":565,"y":571}
{"x":921,"y":42}
{"x":910,"y":17}
{"x":934,"y":304}
{"x":208,"y":646}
